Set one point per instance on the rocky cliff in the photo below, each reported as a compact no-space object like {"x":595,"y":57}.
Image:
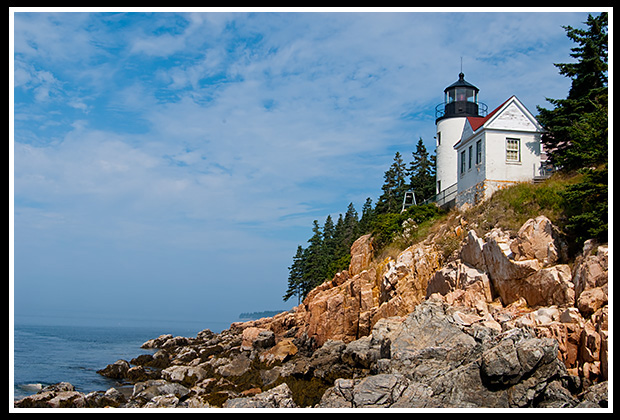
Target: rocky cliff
{"x":457,"y":320}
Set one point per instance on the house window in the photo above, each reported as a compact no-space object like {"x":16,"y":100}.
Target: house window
{"x":513,"y":150}
{"x":478,"y":152}
{"x":470,"y":153}
{"x":463,"y":161}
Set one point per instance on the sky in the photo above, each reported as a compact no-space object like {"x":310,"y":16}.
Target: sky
{"x":166,"y":164}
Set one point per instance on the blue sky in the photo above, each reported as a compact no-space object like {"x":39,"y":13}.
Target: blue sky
{"x":167,"y":164}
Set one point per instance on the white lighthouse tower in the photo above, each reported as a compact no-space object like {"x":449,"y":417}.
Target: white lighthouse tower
{"x":460,"y":102}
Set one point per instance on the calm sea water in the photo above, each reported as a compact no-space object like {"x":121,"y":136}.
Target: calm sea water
{"x":48,"y":354}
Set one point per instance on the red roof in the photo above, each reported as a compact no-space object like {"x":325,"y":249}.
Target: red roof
{"x":477,"y":122}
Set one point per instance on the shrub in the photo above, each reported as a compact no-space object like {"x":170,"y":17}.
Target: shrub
{"x":387,"y":227}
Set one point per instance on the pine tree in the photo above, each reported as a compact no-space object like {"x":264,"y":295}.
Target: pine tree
{"x":394,"y":187}
{"x":350,"y":226}
{"x":422,"y":173}
{"x":329,"y":241}
{"x":365,"y":223}
{"x":576,"y":129}
{"x":330,"y":246}
{"x":296,"y":276}
{"x":315,"y":263}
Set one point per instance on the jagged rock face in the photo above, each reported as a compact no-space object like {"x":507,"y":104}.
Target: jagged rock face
{"x":362,"y":252}
{"x":348,"y":306}
{"x":516,"y":276}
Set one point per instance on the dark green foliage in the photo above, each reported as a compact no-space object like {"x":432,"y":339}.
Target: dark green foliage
{"x":387,"y":226}
{"x":327,"y":253}
{"x":296,"y":276}
{"x":576,"y":129}
{"x":587,"y":207}
{"x":422,"y":173}
{"x":394,"y":187}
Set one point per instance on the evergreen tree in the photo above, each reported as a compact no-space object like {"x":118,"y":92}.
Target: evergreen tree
{"x":296,"y":277}
{"x":315,"y":262}
{"x":422,"y":173}
{"x":576,"y":129}
{"x":330,"y":246}
{"x":587,"y":207}
{"x":329,"y":241}
{"x":394,"y":187}
{"x":341,"y":255}
{"x":365,"y":222}
{"x":350,"y":227}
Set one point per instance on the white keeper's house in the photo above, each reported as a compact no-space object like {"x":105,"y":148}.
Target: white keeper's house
{"x":479,"y":152}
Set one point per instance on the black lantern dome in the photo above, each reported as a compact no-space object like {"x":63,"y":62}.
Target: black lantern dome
{"x":460,"y":100}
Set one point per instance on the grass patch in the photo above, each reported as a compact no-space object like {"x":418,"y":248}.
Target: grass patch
{"x":511,"y":207}
{"x":576,"y":203}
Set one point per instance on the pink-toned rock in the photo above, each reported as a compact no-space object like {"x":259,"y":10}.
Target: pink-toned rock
{"x":537,"y":239}
{"x":279,"y":353}
{"x":591,"y":300}
{"x":462,"y":285}
{"x":404,"y":284}
{"x":471,"y":251}
{"x":549,"y":286}
{"x":591,"y":269}
{"x":504,"y":272}
{"x":250,"y":335}
{"x":590,"y":343}
{"x":362,"y":252}
{"x":347,"y":307}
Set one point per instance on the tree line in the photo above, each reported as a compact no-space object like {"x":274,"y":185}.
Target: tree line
{"x":328,"y":249}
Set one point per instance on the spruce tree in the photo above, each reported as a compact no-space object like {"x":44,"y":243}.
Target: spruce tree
{"x":365,"y":222}
{"x":350,"y":226}
{"x":394,"y":187}
{"x":315,"y":262}
{"x":296,"y":277}
{"x":576,"y":129}
{"x":422,"y":173}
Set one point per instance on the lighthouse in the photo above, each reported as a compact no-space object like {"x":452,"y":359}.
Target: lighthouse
{"x":460,"y":102}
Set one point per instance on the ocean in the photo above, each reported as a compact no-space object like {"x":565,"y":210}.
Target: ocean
{"x":48,"y":354}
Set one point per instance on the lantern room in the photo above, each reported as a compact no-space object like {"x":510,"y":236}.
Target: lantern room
{"x":460,"y":100}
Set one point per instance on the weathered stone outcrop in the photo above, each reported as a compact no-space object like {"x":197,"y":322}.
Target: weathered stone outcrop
{"x":499,"y":321}
{"x":435,"y":360}
{"x":347,"y":307}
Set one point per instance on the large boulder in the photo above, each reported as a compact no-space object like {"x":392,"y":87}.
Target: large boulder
{"x":278,"y":397}
{"x":538,"y":239}
{"x":116,"y":370}
{"x":549,"y":286}
{"x":347,"y":307}
{"x":279,"y":353}
{"x":505,"y":273}
{"x":186,"y":375}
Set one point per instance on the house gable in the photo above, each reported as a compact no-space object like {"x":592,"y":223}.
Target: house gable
{"x":512,"y":116}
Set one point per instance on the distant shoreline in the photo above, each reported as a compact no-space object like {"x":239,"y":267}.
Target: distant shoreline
{"x":259,"y":315}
